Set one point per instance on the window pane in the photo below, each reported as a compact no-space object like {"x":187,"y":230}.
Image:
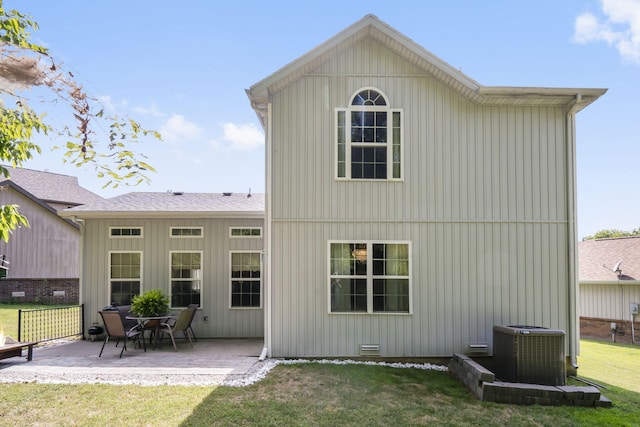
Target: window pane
{"x":185,"y":278}
{"x":391,"y":295}
{"x":245,"y":283}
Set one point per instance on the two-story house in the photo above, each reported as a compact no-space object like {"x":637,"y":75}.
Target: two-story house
{"x":410,"y":208}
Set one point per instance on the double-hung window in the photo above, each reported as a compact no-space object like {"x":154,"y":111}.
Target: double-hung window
{"x":369,"y":138}
{"x":246,"y":279}
{"x":125,"y":276}
{"x":369,"y":277}
{"x":186,"y":278}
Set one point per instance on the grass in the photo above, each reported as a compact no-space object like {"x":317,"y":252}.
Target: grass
{"x":9,"y":316}
{"x":325,"y":395}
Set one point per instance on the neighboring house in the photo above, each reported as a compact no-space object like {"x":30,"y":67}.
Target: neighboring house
{"x":43,"y":258}
{"x":609,"y":276}
{"x":197,"y":248}
{"x":409,"y":208}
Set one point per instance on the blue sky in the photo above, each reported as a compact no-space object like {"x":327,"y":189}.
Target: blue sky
{"x":182,"y":68}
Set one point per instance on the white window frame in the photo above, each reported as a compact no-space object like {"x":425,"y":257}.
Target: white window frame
{"x":231,"y":279}
{"x":370,"y":277}
{"x":389,"y":144}
{"x":231,"y":235}
{"x":110,"y":278}
{"x":180,"y":236}
{"x":200,"y":279}
{"x":111,"y":236}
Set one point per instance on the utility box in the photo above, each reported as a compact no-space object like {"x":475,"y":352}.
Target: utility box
{"x":633,"y":308}
{"x":529,"y":354}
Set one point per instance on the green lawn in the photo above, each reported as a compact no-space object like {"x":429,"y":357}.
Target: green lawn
{"x":325,"y":395}
{"x":9,"y":317}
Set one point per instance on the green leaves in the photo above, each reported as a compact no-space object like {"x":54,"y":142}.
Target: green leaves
{"x":15,"y":30}
{"x":10,"y":219}
{"x":151,"y":303}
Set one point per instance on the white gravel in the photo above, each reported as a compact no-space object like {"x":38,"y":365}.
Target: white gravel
{"x":166,"y":376}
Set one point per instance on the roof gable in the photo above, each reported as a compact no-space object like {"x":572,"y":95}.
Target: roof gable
{"x":371,"y":26}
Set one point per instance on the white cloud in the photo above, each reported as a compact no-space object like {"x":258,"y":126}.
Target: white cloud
{"x":242,"y":137}
{"x":177,"y":129}
{"x":619,"y":27}
{"x":151,"y":110}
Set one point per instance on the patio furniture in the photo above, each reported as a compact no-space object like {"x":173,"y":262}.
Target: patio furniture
{"x":115,"y":328}
{"x":151,"y":324}
{"x":14,"y":349}
{"x":181,"y":324}
{"x":195,"y":307}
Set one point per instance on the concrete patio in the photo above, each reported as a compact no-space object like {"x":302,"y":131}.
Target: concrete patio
{"x":209,"y":362}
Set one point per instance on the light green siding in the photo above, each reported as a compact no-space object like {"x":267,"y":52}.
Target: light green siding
{"x":156,"y":245}
{"x":484,"y":202}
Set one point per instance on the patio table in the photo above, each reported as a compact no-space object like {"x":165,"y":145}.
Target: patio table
{"x":144,"y":320}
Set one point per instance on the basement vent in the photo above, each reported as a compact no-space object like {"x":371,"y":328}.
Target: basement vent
{"x":479,"y":349}
{"x":17,"y":294}
{"x":59,"y":293}
{"x":369,"y":349}
{"x":529,"y":354}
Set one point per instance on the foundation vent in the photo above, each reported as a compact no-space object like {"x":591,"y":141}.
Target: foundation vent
{"x":369,"y":349}
{"x":478,"y":349}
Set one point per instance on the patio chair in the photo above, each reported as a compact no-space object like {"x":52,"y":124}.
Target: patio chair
{"x":195,"y":307}
{"x":114,"y":328}
{"x":181,"y":324}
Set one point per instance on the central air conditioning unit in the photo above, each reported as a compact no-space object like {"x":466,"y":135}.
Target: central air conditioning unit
{"x":529,"y":354}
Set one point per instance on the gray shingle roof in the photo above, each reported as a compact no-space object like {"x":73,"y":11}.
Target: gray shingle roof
{"x":151,"y":204}
{"x":597,"y":258}
{"x":52,"y":187}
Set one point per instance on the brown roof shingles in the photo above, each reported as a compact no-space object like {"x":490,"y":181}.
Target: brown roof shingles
{"x":151,"y":203}
{"x":52,"y":187}
{"x":598,"y":258}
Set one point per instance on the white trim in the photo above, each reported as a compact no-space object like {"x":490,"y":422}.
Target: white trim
{"x":172,"y":236}
{"x":237,"y":227}
{"x":200,"y":279}
{"x":261,"y":281}
{"x":349,"y":144}
{"x":126,"y":227}
{"x":370,"y":276}
{"x":109,"y":278}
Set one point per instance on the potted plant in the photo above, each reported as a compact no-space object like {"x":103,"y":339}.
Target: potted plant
{"x":151,"y":303}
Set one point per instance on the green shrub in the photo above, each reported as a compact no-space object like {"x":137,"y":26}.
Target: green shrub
{"x":151,"y":303}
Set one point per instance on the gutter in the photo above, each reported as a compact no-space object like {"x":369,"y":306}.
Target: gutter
{"x":572,"y":281}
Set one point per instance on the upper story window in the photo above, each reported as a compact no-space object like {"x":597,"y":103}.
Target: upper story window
{"x":245,"y":232}
{"x":125,"y":231}
{"x":186,"y":232}
{"x":369,"y":138}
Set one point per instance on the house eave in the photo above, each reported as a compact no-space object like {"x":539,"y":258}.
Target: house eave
{"x":610,"y":282}
{"x":161,"y":215}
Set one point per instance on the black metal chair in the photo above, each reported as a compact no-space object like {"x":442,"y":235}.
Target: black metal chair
{"x":114,"y":328}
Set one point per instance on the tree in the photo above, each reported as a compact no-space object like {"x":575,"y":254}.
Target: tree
{"x":22,"y":68}
{"x":612,"y":234}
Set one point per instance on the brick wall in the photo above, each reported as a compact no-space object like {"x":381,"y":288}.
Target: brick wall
{"x":40,"y":291}
{"x":600,"y":329}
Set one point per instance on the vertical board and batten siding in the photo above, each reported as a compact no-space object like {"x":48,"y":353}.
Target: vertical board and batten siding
{"x":47,"y":249}
{"x":156,"y":246}
{"x":483,"y":201}
{"x":608,"y":300}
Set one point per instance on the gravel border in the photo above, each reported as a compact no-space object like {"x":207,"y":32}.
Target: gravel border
{"x":190,"y":377}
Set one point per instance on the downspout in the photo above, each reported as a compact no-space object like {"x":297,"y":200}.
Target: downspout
{"x":267,"y":350}
{"x":573,"y":319}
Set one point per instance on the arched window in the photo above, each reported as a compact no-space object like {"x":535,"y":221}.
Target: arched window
{"x":369,"y":138}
